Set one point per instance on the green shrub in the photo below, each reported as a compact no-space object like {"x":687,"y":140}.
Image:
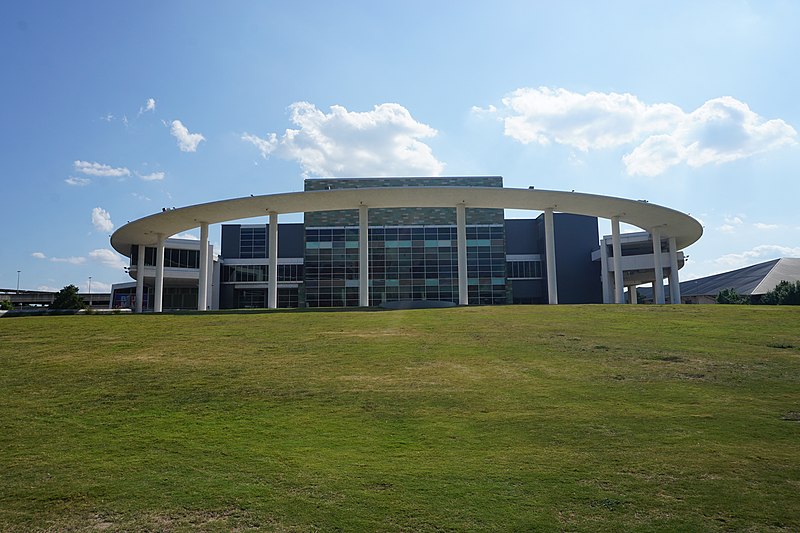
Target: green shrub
{"x":730,"y":296}
{"x":67,"y":298}
{"x":6,"y":305}
{"x":784,"y":293}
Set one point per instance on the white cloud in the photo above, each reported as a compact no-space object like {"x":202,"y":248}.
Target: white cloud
{"x":99,"y":169}
{"x":381,"y":142}
{"x":150,"y":105}
{"x":719,"y":131}
{"x":97,"y":286}
{"x":762,"y":226}
{"x":140,"y":196}
{"x":586,"y":121}
{"x":762,"y":252}
{"x":187,"y":142}
{"x":71,"y":260}
{"x":188,"y":236}
{"x":77,"y":182}
{"x":109,"y":258}
{"x":47,"y":288}
{"x":477,"y":110}
{"x":731,"y":223}
{"x":154,"y":176}
{"x":101,"y":219}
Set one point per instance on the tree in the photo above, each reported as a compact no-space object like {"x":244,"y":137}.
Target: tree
{"x":67,"y":298}
{"x":784,"y":293}
{"x":730,"y":296}
{"x":6,"y":305}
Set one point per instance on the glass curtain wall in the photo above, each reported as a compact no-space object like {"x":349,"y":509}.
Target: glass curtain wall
{"x":406,"y":263}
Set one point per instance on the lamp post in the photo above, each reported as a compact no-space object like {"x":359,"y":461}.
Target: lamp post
{"x":90,"y":292}
{"x":18,"y":271}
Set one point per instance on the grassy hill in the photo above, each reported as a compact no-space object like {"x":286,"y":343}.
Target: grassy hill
{"x":585,"y":418}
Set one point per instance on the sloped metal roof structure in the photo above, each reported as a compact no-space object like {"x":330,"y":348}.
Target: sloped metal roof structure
{"x":751,"y":280}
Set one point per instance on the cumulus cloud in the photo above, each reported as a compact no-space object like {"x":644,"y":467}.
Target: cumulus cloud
{"x":108,"y":257}
{"x":77,"y":182}
{"x":99,"y":169}
{"x":763,"y":252}
{"x":719,"y":131}
{"x":101,"y":220}
{"x":153,"y":176}
{"x":38,"y":255}
{"x":383,"y":141}
{"x":585,"y":121}
{"x":187,"y":142}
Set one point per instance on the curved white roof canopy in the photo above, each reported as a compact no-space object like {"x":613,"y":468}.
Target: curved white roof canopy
{"x":647,"y":216}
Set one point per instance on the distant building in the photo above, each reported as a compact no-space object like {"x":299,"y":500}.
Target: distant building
{"x":753,"y":281}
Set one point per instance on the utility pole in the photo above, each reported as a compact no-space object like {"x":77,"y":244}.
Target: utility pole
{"x":90,"y":292}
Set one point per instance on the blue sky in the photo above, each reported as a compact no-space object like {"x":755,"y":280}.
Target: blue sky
{"x":113,"y":110}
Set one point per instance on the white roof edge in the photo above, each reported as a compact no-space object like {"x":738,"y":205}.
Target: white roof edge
{"x":644,"y":215}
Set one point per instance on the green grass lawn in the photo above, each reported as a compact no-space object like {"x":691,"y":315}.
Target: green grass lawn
{"x":589,"y":418}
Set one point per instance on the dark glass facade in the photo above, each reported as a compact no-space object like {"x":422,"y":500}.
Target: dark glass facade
{"x":412,"y":254}
{"x":173,"y":257}
{"x":405,"y":263}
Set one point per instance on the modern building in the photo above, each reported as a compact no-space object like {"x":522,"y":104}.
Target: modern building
{"x":379,"y":241}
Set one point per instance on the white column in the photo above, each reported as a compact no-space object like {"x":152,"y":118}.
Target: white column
{"x":632,"y":296}
{"x":617,"y":249}
{"x":140,"y":279}
{"x":272,"y":283}
{"x":674,"y":282}
{"x":461,"y":234}
{"x":363,"y":256}
{"x":658,"y":284}
{"x":202,"y":281}
{"x":550,"y":251}
{"x":159,"y":288}
{"x":604,"y":271}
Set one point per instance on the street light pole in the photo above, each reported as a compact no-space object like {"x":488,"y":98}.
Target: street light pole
{"x":90,"y":292}
{"x":18,"y":271}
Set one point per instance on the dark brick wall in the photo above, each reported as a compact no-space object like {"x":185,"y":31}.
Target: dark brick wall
{"x":403,"y":216}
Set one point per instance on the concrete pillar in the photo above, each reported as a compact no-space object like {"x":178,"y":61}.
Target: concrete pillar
{"x":140,"y":279}
{"x":159,"y":288}
{"x":632,"y":296}
{"x":461,"y":234}
{"x":550,"y":251}
{"x":202,"y":280}
{"x":674,"y":282}
{"x":363,"y":256}
{"x":272,"y":283}
{"x":604,"y":272}
{"x":617,"y":249}
{"x":658,"y":284}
